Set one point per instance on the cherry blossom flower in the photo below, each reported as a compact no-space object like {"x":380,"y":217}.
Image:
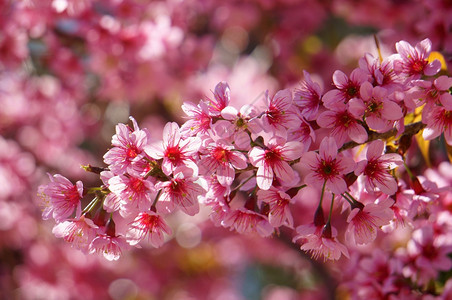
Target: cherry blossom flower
{"x":365,"y":222}
{"x":433,"y":92}
{"x":382,"y":73}
{"x":133,"y":193}
{"x":220,"y":158}
{"x":378,"y":110}
{"x":109,"y":246}
{"x":308,"y":97}
{"x":438,"y":120}
{"x":246,"y":221}
{"x":127,"y":146}
{"x":279,"y":212}
{"x":78,"y":232}
{"x":221,"y":98}
{"x":314,"y":240}
{"x":148,"y":225}
{"x":179,"y":192}
{"x":347,"y":88}
{"x":343,"y":125}
{"x":60,"y":198}
{"x":413,"y":61}
{"x":429,"y":254}
{"x":279,"y":117}
{"x":235,"y":126}
{"x":273,"y":161}
{"x":327,"y":167}
{"x":375,"y":169}
{"x":199,"y":118}
{"x":175,"y":151}
{"x":304,"y":134}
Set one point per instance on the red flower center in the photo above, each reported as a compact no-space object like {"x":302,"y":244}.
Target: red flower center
{"x":328,"y":169}
{"x":137,"y":185}
{"x":220,"y":154}
{"x":132,"y":151}
{"x":173,"y":153}
{"x":272,"y":156}
{"x":418,"y":66}
{"x":72,"y":196}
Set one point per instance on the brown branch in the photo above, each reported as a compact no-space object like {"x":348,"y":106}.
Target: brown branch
{"x":410,"y":130}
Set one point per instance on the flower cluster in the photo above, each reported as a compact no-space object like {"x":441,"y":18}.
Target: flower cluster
{"x":251,"y":165}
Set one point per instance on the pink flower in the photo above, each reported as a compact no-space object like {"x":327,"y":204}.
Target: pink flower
{"x":307,"y":97}
{"x":304,"y":134}
{"x":199,"y":119}
{"x":273,"y":161}
{"x":245,"y":221}
{"x":327,"y":166}
{"x":413,"y":61}
{"x":434,"y":92}
{"x":133,"y":193}
{"x":60,"y":198}
{"x":430,"y":255}
{"x":112,"y":201}
{"x":279,"y":115}
{"x":235,"y":125}
{"x":79,"y":232}
{"x":438,"y":120}
{"x":279,"y":212}
{"x":221,"y":98}
{"x":110,"y":247}
{"x":364,"y":222}
{"x":376,"y":168}
{"x":148,"y":224}
{"x":179,"y":192}
{"x":344,"y":126}
{"x":220,"y":158}
{"x":378,"y":111}
{"x":127,"y":146}
{"x":176,"y":152}
{"x":382,"y":72}
{"x":347,"y":88}
{"x":318,"y":243}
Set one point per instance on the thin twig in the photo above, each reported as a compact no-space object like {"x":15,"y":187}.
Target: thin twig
{"x":410,"y":130}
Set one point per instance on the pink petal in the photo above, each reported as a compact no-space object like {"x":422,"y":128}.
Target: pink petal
{"x":375,"y":150}
{"x":327,"y":119}
{"x":356,"y":107}
{"x":337,"y":185}
{"x":328,"y":148}
{"x":340,"y":79}
{"x":377,"y":123}
{"x":388,"y":186}
{"x":332,"y":99}
{"x":238,"y":160}
{"x":432,"y":68}
{"x":430,"y":133}
{"x":366,"y":90}
{"x":256,"y":156}
{"x":446,"y":100}
{"x":229,"y":113}
{"x":443,"y":83}
{"x":310,"y":159}
{"x":171,"y":134}
{"x":357,"y":133}
{"x":347,"y":164}
{"x":282,"y":100}
{"x":225,"y":175}
{"x":292,"y":150}
{"x":284,"y":172}
{"x":391,"y":110}
{"x":264,"y":177}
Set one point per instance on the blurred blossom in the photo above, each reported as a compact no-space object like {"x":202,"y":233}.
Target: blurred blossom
{"x":70,"y":70}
